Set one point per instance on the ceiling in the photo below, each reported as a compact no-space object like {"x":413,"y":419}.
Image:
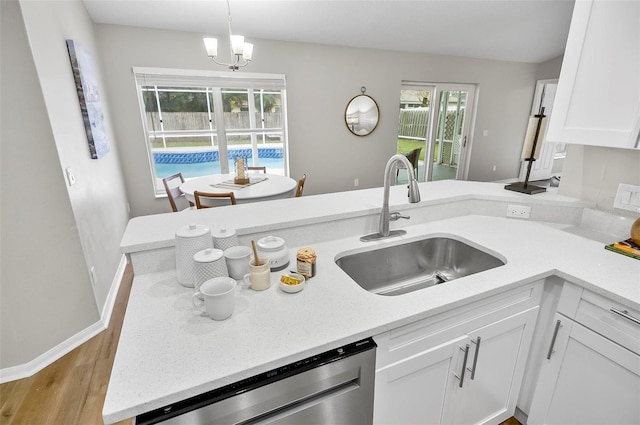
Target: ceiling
{"x":531,"y":31}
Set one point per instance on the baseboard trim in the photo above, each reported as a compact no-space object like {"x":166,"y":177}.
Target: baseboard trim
{"x":107,"y":309}
{"x":26,"y":370}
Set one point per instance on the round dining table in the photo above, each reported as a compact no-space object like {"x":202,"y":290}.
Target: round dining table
{"x":261,"y":187}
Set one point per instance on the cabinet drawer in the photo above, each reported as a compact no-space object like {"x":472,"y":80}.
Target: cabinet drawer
{"x":617,"y":322}
{"x":424,"y":334}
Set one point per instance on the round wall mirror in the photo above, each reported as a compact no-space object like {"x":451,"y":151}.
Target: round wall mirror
{"x":361,"y":115}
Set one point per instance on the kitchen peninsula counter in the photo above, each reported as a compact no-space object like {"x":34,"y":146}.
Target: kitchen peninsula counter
{"x":169,"y":351}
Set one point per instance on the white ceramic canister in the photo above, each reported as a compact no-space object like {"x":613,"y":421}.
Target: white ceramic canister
{"x":209,"y":263}
{"x":189,"y":240}
{"x":275,"y":250}
{"x":225,"y":238}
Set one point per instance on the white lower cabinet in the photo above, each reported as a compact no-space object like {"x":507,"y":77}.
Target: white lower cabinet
{"x":413,"y":391}
{"x":589,"y":378}
{"x":453,"y":372}
{"x":495,"y":367}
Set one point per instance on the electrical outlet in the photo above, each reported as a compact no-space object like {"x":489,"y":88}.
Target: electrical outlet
{"x":518,"y":211}
{"x":627,"y":197}
{"x":356,"y":182}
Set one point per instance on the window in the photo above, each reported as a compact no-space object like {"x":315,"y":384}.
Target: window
{"x":198,"y":123}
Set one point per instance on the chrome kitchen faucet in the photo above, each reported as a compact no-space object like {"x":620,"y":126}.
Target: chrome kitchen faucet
{"x":385,"y":215}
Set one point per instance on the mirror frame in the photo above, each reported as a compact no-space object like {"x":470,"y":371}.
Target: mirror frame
{"x":353,"y":117}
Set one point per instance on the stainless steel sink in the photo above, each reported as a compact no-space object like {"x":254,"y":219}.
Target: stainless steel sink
{"x":399,"y":269}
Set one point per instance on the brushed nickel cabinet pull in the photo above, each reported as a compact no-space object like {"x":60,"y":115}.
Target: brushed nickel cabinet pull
{"x":464,"y":365}
{"x":475,"y":357}
{"x":625,"y":314}
{"x":553,"y":340}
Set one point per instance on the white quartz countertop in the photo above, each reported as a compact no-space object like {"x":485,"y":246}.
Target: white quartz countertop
{"x":169,"y":350}
{"x":158,"y":230}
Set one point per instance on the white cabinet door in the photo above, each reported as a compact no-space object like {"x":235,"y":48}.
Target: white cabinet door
{"x":598,"y":96}
{"x":495,"y":368}
{"x":588,"y":380}
{"x":413,"y":390}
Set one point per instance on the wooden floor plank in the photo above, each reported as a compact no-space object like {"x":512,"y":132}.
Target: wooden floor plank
{"x":12,"y":394}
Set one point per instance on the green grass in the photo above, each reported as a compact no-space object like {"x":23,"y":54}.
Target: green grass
{"x":407,"y":145}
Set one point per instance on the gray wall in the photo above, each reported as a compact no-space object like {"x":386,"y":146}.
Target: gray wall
{"x":550,"y":69}
{"x":593,"y":173}
{"x":320,"y":81}
{"x":53,"y":234}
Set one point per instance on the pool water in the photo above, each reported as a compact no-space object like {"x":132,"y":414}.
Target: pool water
{"x":199,"y":169}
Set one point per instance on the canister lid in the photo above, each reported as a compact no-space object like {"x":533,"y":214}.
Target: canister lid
{"x":223,"y":233}
{"x":270,"y":243}
{"x":192,"y":231}
{"x":208,"y":255}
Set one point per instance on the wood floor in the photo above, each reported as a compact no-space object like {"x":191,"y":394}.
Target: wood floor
{"x":72,"y":389}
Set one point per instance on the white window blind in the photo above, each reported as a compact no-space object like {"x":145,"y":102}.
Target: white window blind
{"x":195,"y":78}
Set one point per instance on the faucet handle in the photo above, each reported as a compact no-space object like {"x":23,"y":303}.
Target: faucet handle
{"x":395,"y":215}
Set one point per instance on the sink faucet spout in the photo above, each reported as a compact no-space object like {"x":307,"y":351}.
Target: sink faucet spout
{"x":414,"y":196}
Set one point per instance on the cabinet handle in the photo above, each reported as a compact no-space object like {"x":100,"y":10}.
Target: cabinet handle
{"x":553,"y":340}
{"x":475,"y":357}
{"x":625,"y":314}
{"x":464,"y":364}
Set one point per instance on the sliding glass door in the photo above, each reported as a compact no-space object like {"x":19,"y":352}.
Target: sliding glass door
{"x":435,"y":118}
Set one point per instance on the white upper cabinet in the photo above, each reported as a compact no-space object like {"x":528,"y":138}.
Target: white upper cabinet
{"x":598,"y":97}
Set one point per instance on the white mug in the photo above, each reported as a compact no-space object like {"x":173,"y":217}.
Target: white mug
{"x":259,"y":277}
{"x":219,"y":297}
{"x":237,"y":258}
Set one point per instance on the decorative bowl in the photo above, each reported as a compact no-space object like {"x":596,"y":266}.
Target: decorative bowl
{"x":291,"y":287}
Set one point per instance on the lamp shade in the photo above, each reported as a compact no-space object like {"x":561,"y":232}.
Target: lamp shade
{"x":211,"y":44}
{"x":237,"y":44}
{"x":247,"y":54}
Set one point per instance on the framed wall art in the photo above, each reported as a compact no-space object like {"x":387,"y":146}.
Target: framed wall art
{"x":89,"y":97}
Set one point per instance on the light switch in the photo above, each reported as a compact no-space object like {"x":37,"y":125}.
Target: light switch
{"x":71,"y":179}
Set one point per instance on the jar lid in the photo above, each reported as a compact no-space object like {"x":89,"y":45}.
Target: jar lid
{"x":192,"y":231}
{"x":223,"y":233}
{"x":208,"y":255}
{"x":270,"y":243}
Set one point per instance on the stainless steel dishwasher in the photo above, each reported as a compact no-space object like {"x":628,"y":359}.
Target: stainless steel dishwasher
{"x":335,"y":387}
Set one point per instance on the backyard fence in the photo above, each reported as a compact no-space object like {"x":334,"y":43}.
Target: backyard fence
{"x":200,"y":120}
{"x":413,"y":124}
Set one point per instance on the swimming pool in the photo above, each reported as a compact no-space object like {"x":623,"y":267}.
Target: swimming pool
{"x":193,"y":163}
{"x":198,"y":169}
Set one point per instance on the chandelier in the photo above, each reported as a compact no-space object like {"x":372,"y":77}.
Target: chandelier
{"x":241,"y":52}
